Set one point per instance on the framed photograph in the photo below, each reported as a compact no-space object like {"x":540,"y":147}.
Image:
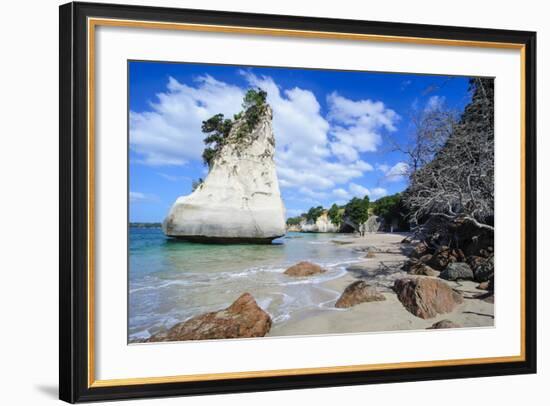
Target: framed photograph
{"x":257,"y":202}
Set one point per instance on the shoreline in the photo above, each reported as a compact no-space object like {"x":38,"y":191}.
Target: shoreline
{"x":383,"y":316}
{"x":301,"y":306}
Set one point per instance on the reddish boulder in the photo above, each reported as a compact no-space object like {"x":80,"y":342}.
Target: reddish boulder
{"x":423,"y":270}
{"x":489,"y":285}
{"x":419,"y":250}
{"x":417,"y":267}
{"x":243,"y":319}
{"x":304,"y":268}
{"x":443,"y":324}
{"x":443,"y":256}
{"x":425,"y":258}
{"x":426,"y":297}
{"x":358,"y":292}
{"x":483,"y":286}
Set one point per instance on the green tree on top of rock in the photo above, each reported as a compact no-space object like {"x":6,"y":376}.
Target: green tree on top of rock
{"x":217,"y":128}
{"x":254,"y":104}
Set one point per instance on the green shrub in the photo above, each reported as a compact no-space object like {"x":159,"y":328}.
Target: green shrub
{"x":217,"y":128}
{"x":335,"y":214}
{"x":314,"y":213}
{"x":293,"y":221}
{"x":357,"y":210}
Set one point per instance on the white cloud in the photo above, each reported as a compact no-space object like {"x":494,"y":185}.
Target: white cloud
{"x":304,"y":157}
{"x":397,"y":172}
{"x":341,"y":193}
{"x":170,"y":134}
{"x":434,"y":103}
{"x":138,"y":197}
{"x":344,"y":151}
{"x":357,"y":125}
{"x":174,"y":178}
{"x":358,"y":190}
{"x":383,"y":167}
{"x":314,"y":154}
{"x":348,"y":111}
{"x":378,"y":192}
{"x":294,"y":212}
{"x":312,"y":193}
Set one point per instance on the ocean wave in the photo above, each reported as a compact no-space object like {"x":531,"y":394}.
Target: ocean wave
{"x":281,"y":318}
{"x":171,"y":297}
{"x":268,"y":275}
{"x":142,"y":334}
{"x":165,"y":284}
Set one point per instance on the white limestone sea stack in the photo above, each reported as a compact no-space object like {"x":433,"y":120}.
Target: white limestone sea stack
{"x":239,"y":201}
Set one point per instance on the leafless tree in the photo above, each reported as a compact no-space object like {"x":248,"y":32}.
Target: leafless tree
{"x":457,"y":182}
{"x":431,"y":128}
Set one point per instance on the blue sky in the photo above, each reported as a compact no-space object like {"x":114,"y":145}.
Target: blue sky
{"x":333,"y":129}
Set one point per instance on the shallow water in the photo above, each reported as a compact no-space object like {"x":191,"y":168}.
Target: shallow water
{"x":170,"y":280}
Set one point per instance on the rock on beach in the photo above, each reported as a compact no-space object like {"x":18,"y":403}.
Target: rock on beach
{"x":426,"y":297}
{"x":358,"y":292}
{"x":443,"y":324}
{"x":239,"y":201}
{"x":304,"y":268}
{"x":243,"y":319}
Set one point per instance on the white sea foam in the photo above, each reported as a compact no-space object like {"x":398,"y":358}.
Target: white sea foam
{"x":143,"y":334}
{"x":188,"y":282}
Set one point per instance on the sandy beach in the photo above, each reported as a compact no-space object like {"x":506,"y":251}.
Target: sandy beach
{"x":174,"y":282}
{"x":380,"y":271}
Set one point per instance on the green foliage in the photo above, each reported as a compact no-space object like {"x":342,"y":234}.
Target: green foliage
{"x":357,"y":210}
{"x":314,"y":213}
{"x":387,"y":207}
{"x":208,"y":155}
{"x":254,"y":103}
{"x":335,"y":214}
{"x":254,"y":97}
{"x":293,"y":221}
{"x":391,"y":208}
{"x":217,"y":128}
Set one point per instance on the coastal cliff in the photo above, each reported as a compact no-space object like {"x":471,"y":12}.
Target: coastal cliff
{"x":321,"y":225}
{"x":239,"y":201}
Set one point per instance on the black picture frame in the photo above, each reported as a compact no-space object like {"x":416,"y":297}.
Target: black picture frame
{"x":74,"y":199}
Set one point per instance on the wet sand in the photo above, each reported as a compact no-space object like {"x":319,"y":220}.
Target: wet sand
{"x":381,"y":270}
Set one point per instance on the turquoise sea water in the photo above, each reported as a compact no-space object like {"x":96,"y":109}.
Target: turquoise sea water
{"x":171,"y":280}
